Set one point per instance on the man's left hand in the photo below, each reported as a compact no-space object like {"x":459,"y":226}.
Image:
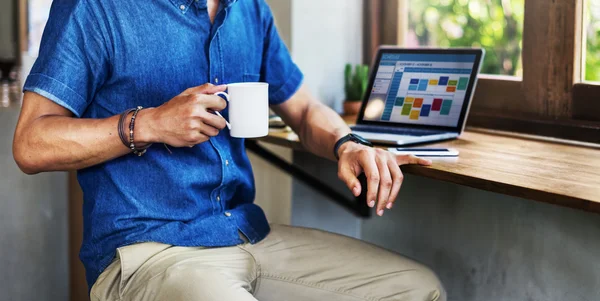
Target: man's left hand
{"x":382,"y":168}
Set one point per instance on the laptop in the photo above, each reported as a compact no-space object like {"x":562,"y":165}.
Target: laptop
{"x":418,"y":95}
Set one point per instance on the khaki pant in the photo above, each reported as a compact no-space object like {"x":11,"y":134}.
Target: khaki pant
{"x":290,"y":264}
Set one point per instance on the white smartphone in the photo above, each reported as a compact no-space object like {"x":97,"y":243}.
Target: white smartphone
{"x":425,"y":152}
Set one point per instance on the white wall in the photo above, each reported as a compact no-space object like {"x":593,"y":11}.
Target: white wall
{"x":38,"y":12}
{"x":325,"y":36}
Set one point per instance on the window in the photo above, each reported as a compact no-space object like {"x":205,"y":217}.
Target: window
{"x":496,"y":25}
{"x":536,"y":63}
{"x":592,"y":40}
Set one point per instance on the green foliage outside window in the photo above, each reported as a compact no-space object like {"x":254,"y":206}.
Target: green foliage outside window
{"x":496,"y":25}
{"x":592,"y":68}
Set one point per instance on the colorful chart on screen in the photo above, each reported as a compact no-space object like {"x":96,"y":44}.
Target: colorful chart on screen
{"x":427,"y":89}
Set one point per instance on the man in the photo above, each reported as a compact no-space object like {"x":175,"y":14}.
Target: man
{"x":179,"y":224}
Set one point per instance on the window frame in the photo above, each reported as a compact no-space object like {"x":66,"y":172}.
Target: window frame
{"x":549,"y":100}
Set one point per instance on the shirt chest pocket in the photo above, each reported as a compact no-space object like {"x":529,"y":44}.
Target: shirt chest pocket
{"x":251,"y":77}
{"x":242,"y":54}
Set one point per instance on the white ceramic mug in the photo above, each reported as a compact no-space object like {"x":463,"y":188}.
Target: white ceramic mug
{"x":248,"y":109}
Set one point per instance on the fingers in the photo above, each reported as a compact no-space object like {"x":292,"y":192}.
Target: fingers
{"x":209,"y":130}
{"x":368,"y":164}
{"x":348,"y":176}
{"x":195,"y":139}
{"x":211,"y":102}
{"x":382,"y":169}
{"x":385,"y":183}
{"x":210,"y":124}
{"x":196,"y":131}
{"x":397,"y":179}
{"x":205,"y":89}
{"x":213,"y":120}
{"x":201,"y":138}
{"x":410,"y":159}
{"x":189,"y":117}
{"x":199,"y":134}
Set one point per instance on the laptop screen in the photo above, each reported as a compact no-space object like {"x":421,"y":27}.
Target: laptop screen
{"x":420,"y":89}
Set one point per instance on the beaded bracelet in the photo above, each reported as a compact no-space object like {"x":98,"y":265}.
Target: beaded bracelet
{"x":121,"y":127}
{"x":129,"y":142}
{"x":136,"y":151}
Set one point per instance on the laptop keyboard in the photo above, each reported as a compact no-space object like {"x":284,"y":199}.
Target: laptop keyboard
{"x":394,"y":130}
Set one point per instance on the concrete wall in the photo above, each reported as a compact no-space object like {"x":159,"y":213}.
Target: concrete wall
{"x":33,"y":227}
{"x":311,"y":209}
{"x":484,"y":246}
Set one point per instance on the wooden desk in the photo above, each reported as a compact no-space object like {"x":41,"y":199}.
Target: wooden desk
{"x":548,"y":172}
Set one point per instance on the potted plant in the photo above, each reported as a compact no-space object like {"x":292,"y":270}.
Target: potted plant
{"x":355,"y":85}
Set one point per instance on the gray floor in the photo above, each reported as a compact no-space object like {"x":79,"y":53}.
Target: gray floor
{"x":10,"y":94}
{"x":33,"y":221}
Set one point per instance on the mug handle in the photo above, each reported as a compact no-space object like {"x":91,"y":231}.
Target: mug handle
{"x":226,"y":96}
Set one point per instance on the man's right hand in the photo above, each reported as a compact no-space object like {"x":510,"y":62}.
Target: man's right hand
{"x":186,"y":120}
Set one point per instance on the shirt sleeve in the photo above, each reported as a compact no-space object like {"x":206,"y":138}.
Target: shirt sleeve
{"x":278,"y":69}
{"x":73,"y":61}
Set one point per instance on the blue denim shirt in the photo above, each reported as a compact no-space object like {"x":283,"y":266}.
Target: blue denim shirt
{"x":99,"y":58}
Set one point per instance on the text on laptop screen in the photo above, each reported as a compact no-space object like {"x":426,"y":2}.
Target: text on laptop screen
{"x":424,"y":89}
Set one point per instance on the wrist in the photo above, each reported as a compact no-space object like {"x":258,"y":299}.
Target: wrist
{"x":348,"y":144}
{"x":144,"y":132}
{"x":343,"y":144}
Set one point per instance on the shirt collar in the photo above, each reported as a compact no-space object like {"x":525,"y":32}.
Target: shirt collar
{"x":183,"y":5}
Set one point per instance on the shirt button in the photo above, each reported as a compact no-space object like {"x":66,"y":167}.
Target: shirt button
{"x":182,"y":7}
{"x":227,"y":213}
{"x":226,"y":162}
{"x":218,"y":198}
{"x":216,"y":80}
